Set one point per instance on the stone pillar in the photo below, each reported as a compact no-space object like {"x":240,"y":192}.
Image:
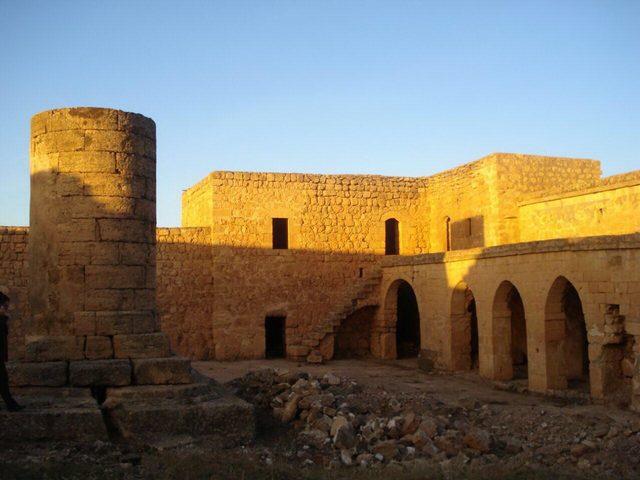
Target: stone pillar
{"x":92,"y":260}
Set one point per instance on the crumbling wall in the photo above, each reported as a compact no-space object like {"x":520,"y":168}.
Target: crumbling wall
{"x":185,"y":289}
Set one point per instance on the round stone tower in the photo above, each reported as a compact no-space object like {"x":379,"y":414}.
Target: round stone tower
{"x":92,"y":237}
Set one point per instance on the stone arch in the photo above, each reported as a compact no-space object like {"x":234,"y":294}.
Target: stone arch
{"x":509,"y":333}
{"x":402,"y":318}
{"x":464,"y":329}
{"x":566,"y":341}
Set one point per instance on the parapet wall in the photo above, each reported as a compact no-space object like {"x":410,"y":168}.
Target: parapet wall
{"x":611,"y":209}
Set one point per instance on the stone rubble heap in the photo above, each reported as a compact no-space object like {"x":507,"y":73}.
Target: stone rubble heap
{"x":329,"y":418}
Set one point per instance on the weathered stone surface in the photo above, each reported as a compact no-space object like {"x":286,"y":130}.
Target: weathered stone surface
{"x":226,"y":420}
{"x":49,"y":348}
{"x":38,"y":374}
{"x":53,"y":414}
{"x":148,"y":345}
{"x":98,"y":347}
{"x":159,"y":371}
{"x":100,"y":373}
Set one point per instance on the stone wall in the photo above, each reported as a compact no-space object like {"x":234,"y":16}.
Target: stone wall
{"x":13,"y":276}
{"x":185,"y":289}
{"x":606,"y":210}
{"x":604,"y":271}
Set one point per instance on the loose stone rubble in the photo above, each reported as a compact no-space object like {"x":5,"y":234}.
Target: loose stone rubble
{"x":337,"y":422}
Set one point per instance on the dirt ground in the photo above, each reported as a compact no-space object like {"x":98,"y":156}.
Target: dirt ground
{"x":527,"y":436}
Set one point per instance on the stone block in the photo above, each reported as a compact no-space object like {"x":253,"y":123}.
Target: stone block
{"x":113,"y":185}
{"x":84,"y":323}
{"x":114,"y":276}
{"x":98,"y":347}
{"x":50,"y":348}
{"x":82,"y":118}
{"x":160,"y":371}
{"x":88,"y":162}
{"x":225,"y":421}
{"x":53,"y":414}
{"x":39,"y":374}
{"x":106,"y":373}
{"x":125,"y":322}
{"x":126,"y":230}
{"x":146,"y":345}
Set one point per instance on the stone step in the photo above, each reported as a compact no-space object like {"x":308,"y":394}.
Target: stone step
{"x":53,"y":414}
{"x":146,"y":413}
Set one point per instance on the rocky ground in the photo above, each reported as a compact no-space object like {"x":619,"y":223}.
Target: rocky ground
{"x":365,"y":420}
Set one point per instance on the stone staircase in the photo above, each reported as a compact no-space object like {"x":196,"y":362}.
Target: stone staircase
{"x":362,"y":294}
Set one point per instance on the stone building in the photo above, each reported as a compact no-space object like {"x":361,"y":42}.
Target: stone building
{"x":517,"y":266}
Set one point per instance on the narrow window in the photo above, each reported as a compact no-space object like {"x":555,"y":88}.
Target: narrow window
{"x":280,"y":233}
{"x":447,"y":226}
{"x":274,"y":334}
{"x":392,"y":237}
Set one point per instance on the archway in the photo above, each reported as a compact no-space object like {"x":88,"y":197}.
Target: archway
{"x":403,"y":317}
{"x":464,"y":329}
{"x":567,"y":345}
{"x":509,"y":333}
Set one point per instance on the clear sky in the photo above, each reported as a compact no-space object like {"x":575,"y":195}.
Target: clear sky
{"x":395,"y":88}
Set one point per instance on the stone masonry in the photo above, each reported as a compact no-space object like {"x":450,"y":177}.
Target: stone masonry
{"x":470,"y":242}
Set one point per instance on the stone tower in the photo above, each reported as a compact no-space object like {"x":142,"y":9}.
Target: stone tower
{"x":92,"y":293}
{"x":92,"y":248}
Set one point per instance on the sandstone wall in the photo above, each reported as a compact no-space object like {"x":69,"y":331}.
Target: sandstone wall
{"x":185,"y":289}
{"x":92,"y":234}
{"x":604,"y":270}
{"x":13,"y":276}
{"x":607,"y":210}
{"x":480,"y":199}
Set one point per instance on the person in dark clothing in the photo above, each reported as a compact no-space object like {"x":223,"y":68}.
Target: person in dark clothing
{"x":11,"y":404}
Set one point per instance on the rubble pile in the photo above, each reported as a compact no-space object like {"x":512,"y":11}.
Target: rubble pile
{"x":337,"y":422}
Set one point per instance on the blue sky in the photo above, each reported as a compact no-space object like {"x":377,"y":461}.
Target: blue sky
{"x":395,"y":88}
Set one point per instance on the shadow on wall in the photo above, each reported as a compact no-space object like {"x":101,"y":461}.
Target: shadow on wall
{"x":467,"y":233}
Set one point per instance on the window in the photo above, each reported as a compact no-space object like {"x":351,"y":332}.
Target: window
{"x":274,"y":335}
{"x":280,"y":233}
{"x":392,"y":237}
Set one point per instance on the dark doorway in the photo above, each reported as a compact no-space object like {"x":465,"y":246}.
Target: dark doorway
{"x":576,"y":345}
{"x":408,"y":326}
{"x":473,"y":327}
{"x":280,"y":231}
{"x":518,"y":335}
{"x":392,"y":237}
{"x":274,"y":334}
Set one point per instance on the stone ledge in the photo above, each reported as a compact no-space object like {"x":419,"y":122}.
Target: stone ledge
{"x":38,"y":374}
{"x":94,"y":373}
{"x":160,"y":371}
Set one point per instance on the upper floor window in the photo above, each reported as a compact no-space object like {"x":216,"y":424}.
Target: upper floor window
{"x":280,"y":229}
{"x":392,"y":237}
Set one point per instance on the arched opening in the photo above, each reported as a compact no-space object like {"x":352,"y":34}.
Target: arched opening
{"x":401,"y":321}
{"x":408,"y":323}
{"x":392,"y":237}
{"x":509,"y":333}
{"x":464,"y":329}
{"x":567,"y":345}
